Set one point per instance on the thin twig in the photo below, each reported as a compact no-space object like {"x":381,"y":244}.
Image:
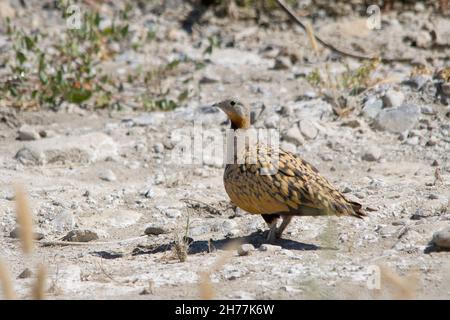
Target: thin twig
{"x":212,"y":210}
{"x":292,"y":15}
{"x":70,"y":243}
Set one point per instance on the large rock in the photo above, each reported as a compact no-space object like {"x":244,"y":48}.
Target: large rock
{"x":399,"y":119}
{"x":73,"y":149}
{"x":442,"y":238}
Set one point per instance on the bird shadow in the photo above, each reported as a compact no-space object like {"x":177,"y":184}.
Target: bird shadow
{"x":432,"y":248}
{"x":206,"y":246}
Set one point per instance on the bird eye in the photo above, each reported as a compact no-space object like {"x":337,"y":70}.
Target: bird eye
{"x":232,"y":103}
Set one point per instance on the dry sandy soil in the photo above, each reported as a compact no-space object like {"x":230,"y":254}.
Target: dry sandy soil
{"x":109,"y":172}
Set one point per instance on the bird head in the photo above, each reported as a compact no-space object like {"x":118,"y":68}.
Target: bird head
{"x":238,"y":113}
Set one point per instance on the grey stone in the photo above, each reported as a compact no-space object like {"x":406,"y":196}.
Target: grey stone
{"x":294,"y":136}
{"x":15,"y":233}
{"x":282,"y":63}
{"x":87,"y":148}
{"x":413,"y":141}
{"x":272,"y":122}
{"x":398,"y":119}
{"x":351,"y":123}
{"x":372,"y":154}
{"x":372,"y":107}
{"x":172,"y":213}
{"x":155,"y":230}
{"x":47,"y":133}
{"x":269,"y":247}
{"x":427,"y":110}
{"x":158,"y":179}
{"x":158,"y":147}
{"x":393,"y":98}
{"x":147,"y":193}
{"x":27,"y":273}
{"x":346,"y":190}
{"x":446,"y":89}
{"x":308,"y":129}
{"x":199,"y":230}
{"x":431,"y":142}
{"x":417,"y":82}
{"x":80,"y":235}
{"x":27,"y":133}
{"x":245,"y":249}
{"x":442,"y":238}
{"x":107,"y":175}
{"x":287,"y":146}
{"x":423,"y":39}
{"x":209,"y":75}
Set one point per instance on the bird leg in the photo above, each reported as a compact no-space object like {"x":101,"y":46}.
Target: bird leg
{"x":271,"y":236}
{"x":271,"y":220}
{"x":284,"y":224}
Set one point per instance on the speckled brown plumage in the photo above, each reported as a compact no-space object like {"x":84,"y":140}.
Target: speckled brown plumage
{"x":442,"y":81}
{"x":443,"y":74}
{"x":295,"y":189}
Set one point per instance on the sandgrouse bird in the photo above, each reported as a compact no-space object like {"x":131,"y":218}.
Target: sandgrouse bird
{"x":296,"y":188}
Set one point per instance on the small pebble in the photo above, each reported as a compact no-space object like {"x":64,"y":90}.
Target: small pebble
{"x":442,"y":238}
{"x":108,"y":175}
{"x":269,"y":247}
{"x":15,"y":233}
{"x":153,"y":230}
{"x":372,"y":154}
{"x":80,"y":236}
{"x":245,"y":249}
{"x":27,"y":273}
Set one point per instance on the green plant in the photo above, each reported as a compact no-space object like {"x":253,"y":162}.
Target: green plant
{"x":214,"y":42}
{"x":70,"y":72}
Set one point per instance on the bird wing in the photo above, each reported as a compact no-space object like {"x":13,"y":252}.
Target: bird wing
{"x":299,"y":186}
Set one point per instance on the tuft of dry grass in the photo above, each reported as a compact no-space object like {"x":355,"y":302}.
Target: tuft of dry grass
{"x":312,"y":38}
{"x":205,"y":285}
{"x":38,"y":291}
{"x":25,"y":222}
{"x":181,"y":243}
{"x":400,"y":287}
{"x":6,"y":283}
{"x":24,"y":219}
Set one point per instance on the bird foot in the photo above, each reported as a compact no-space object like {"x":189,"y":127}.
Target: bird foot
{"x":272,"y":234}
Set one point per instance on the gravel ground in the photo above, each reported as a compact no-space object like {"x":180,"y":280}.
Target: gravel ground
{"x":109,"y":176}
